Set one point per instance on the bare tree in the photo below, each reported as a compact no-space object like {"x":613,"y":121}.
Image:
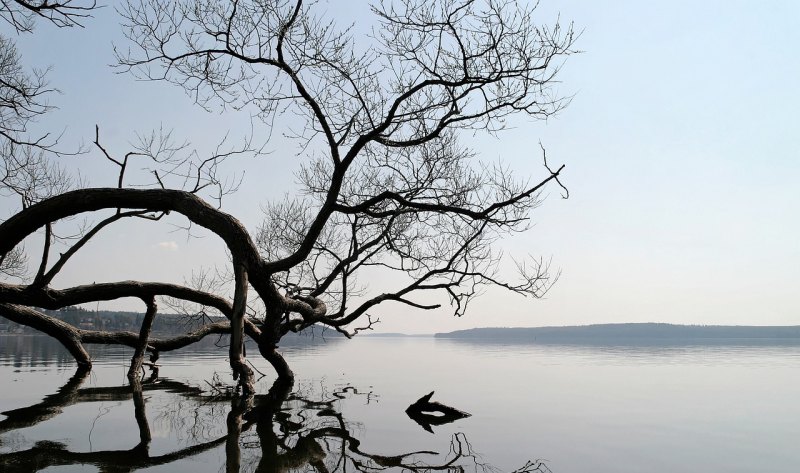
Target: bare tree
{"x":27,"y":170}
{"x":388,"y":185}
{"x":22,"y":15}
{"x":24,"y":94}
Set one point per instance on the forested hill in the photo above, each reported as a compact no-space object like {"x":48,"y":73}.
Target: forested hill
{"x":629,"y":332}
{"x":115,"y":321}
{"x":163,"y":325}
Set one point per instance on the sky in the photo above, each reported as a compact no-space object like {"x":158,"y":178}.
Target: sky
{"x":680,"y":146}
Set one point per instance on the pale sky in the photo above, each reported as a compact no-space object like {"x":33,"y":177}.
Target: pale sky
{"x":680,"y":145}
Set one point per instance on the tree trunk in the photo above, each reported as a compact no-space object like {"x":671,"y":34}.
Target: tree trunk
{"x":269,"y":351}
{"x":144,"y":335}
{"x":241,"y":371}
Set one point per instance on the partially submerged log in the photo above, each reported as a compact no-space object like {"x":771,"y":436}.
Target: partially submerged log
{"x":427,"y":413}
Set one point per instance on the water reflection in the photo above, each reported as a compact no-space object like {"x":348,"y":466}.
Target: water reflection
{"x":706,"y":352}
{"x":22,"y":351}
{"x":284,"y":430}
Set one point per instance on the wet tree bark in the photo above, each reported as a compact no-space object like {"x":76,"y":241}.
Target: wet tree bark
{"x":136,"y":382}
{"x":144,"y":335}
{"x":270,"y":352}
{"x":241,"y":371}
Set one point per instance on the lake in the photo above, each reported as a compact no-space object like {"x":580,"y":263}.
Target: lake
{"x":660,"y":408}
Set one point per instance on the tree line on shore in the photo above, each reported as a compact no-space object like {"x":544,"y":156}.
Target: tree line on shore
{"x":164,"y":324}
{"x":628,"y":331}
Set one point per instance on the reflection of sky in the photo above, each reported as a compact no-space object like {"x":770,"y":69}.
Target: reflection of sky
{"x":599,"y":409}
{"x":680,"y":149}
{"x":657,"y":353}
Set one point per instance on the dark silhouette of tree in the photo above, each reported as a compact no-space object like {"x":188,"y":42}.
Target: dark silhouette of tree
{"x":22,"y":15}
{"x":387,"y":183}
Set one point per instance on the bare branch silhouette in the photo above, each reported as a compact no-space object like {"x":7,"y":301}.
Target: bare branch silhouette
{"x":388,"y":188}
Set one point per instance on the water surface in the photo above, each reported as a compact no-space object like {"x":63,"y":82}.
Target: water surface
{"x":726,"y":408}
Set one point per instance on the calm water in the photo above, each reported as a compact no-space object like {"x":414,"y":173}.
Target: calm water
{"x":582,"y":409}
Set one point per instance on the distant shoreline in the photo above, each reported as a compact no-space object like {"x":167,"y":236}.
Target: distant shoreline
{"x":623,"y":333}
{"x":629,"y":332}
{"x":653,"y":331}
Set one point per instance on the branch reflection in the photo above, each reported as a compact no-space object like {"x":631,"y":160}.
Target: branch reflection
{"x":281,"y":431}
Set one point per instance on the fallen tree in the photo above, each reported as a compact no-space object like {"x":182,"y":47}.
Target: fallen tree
{"x":386,"y":186}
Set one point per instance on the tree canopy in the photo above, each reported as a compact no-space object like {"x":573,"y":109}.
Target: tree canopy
{"x":387,"y":182}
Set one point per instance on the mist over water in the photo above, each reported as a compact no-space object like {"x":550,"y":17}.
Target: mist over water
{"x":582,"y":408}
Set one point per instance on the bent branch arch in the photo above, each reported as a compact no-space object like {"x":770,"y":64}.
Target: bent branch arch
{"x":72,"y":203}
{"x":391,"y":188}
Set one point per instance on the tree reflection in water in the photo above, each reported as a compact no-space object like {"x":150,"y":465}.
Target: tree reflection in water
{"x":281,"y":431}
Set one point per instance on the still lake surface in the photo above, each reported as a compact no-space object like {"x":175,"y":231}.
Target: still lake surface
{"x":650,"y":408}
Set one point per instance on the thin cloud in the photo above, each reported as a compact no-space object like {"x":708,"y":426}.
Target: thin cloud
{"x":168,"y":245}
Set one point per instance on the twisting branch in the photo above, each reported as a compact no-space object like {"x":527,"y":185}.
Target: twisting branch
{"x":387,"y":189}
